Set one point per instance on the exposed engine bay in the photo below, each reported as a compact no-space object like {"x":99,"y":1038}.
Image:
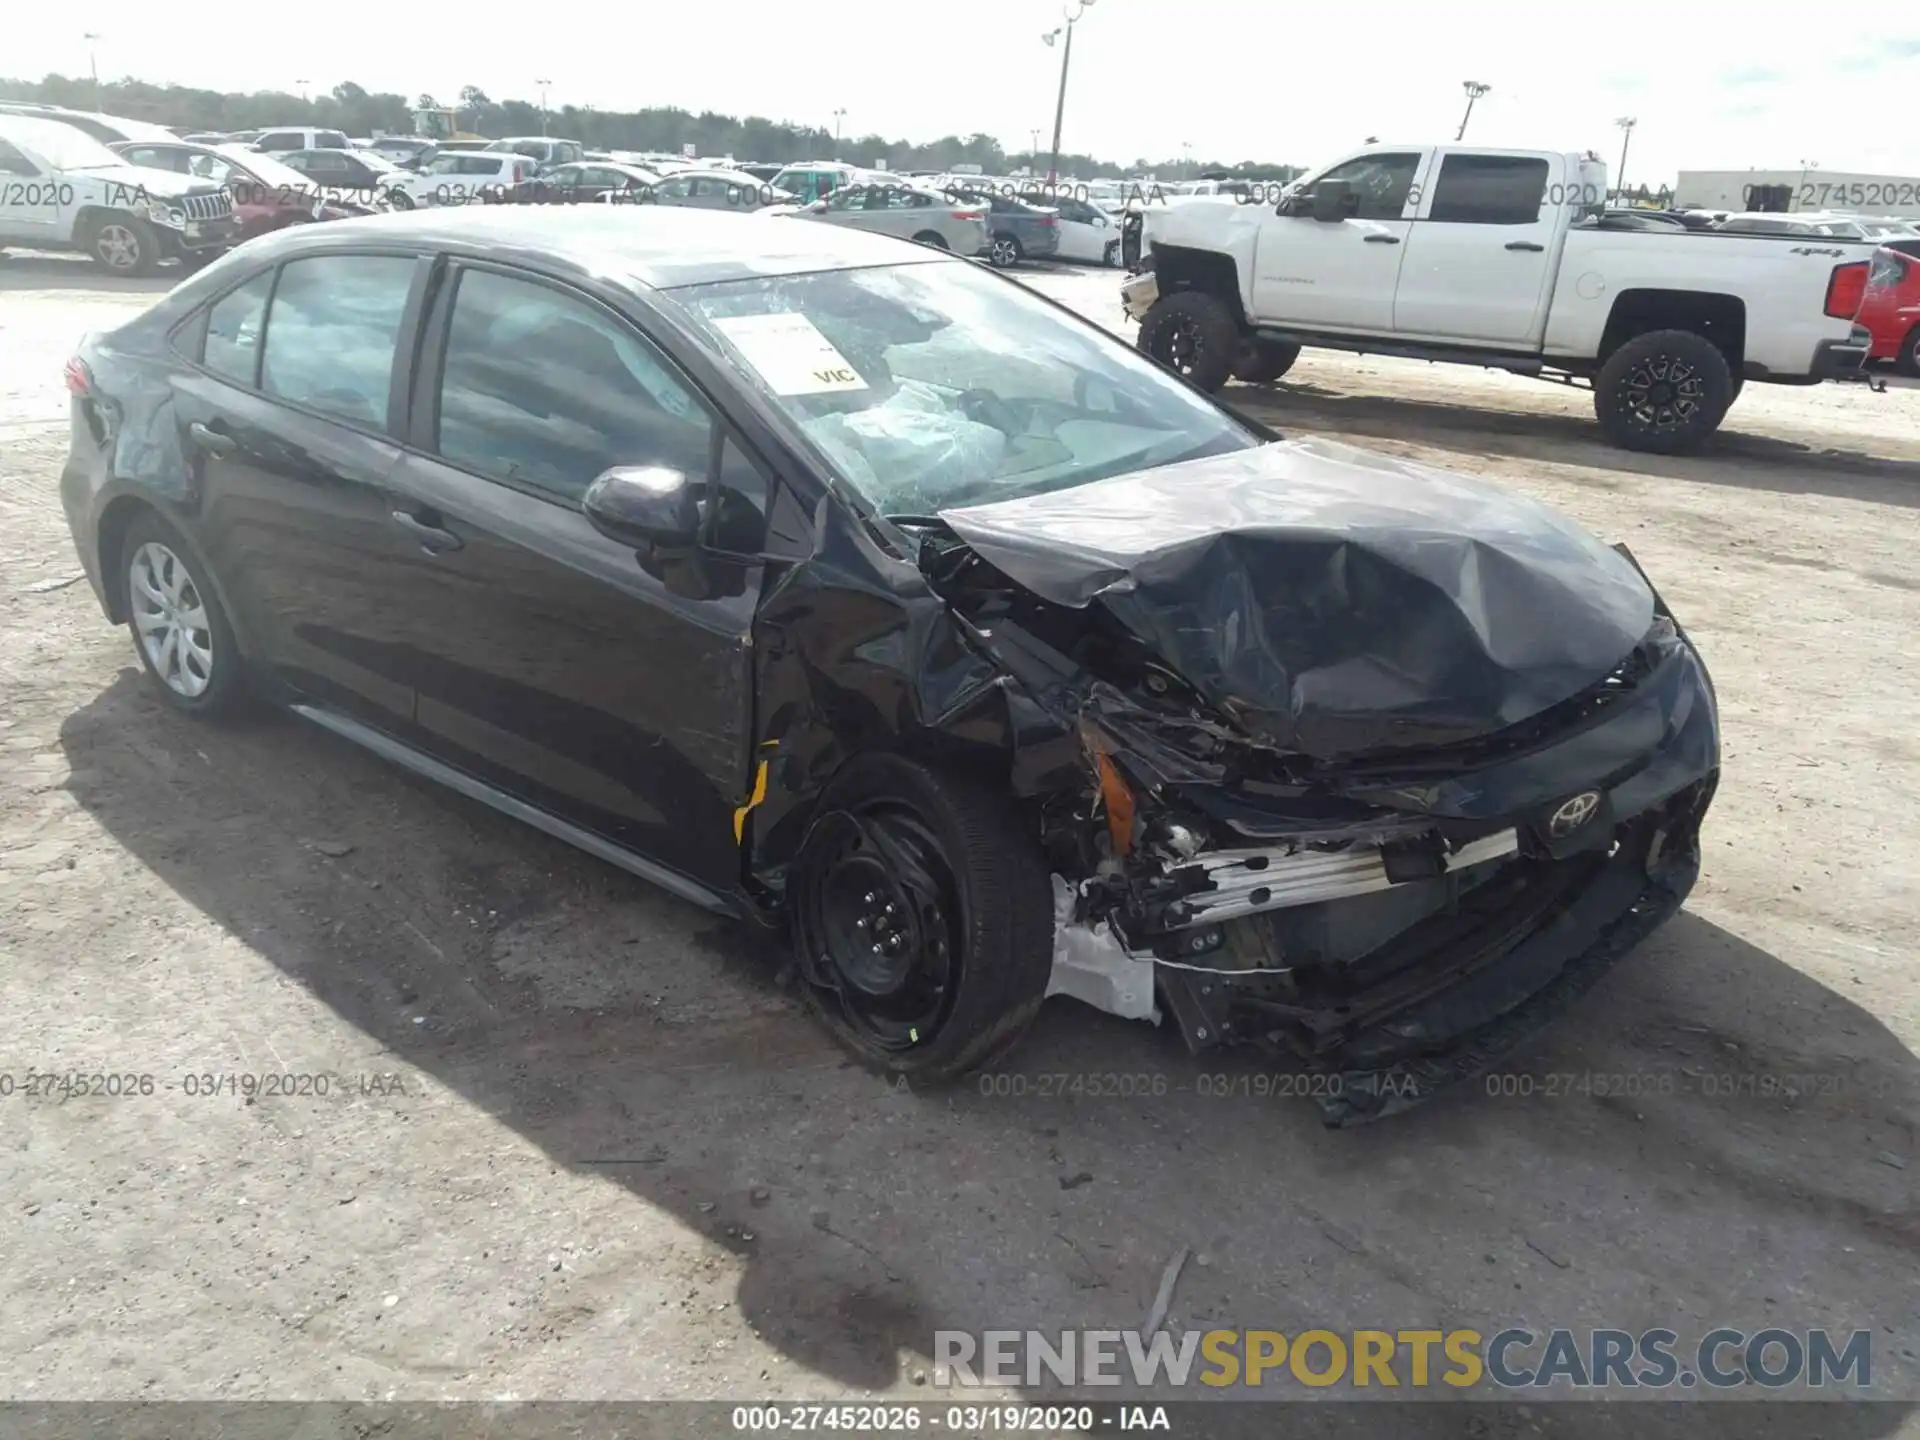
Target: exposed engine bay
{"x":1385,"y":848}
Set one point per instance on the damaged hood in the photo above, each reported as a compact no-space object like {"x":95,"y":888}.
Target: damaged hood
{"x":1329,"y":600}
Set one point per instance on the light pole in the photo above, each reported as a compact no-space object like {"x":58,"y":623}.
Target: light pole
{"x":93,"y":65}
{"x":1474,"y":91}
{"x":303,"y":90}
{"x":1069,"y":13}
{"x":1626,"y":124}
{"x":1805,"y":166}
{"x":543,"y":84}
{"x":1033,"y":155}
{"x":1186,"y":160}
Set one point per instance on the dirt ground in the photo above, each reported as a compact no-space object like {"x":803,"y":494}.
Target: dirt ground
{"x":578,"y":1143}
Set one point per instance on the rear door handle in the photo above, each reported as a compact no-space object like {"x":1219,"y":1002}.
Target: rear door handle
{"x":1383,"y":239}
{"x":435,"y":539}
{"x":213,"y":441}
{"x":1525,"y":245}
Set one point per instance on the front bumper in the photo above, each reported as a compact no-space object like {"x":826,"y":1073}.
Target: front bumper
{"x":1417,"y":948}
{"x":1138,"y":294}
{"x":198,"y":237}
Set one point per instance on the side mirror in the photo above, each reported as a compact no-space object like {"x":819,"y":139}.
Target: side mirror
{"x":649,"y":508}
{"x":1333,"y":201}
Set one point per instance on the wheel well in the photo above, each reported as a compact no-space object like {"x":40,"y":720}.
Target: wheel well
{"x":1719,"y":319}
{"x":112,"y":533}
{"x":1177,"y":268}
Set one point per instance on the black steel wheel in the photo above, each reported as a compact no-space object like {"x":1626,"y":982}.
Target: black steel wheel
{"x":922,"y":918}
{"x":1663,"y":392}
{"x":1194,"y":335}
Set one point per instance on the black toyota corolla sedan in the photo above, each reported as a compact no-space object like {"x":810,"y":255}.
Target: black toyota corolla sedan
{"x":840,"y":585}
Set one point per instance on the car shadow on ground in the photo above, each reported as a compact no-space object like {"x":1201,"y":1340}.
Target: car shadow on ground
{"x":1749,"y":461}
{"x":630,"y":1036}
{"x":44,"y":271}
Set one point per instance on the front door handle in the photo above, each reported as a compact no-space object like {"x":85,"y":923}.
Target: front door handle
{"x":434,"y":539}
{"x":1383,"y":239}
{"x":1525,"y":245}
{"x":213,"y":441}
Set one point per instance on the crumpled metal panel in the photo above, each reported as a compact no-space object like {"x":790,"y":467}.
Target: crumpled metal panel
{"x":1329,"y":600}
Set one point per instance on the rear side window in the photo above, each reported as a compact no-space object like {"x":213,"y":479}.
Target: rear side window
{"x":1489,"y":190}
{"x":233,"y":331}
{"x":542,"y":389}
{"x":330,"y":140}
{"x":332,"y":333}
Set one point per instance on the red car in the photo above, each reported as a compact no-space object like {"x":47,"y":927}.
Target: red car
{"x":1891,"y":310}
{"x":267,"y":195}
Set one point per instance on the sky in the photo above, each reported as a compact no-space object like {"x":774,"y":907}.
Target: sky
{"x":1712,"y":86}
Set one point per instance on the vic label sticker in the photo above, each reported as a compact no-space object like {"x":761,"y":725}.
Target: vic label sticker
{"x":792,"y":356}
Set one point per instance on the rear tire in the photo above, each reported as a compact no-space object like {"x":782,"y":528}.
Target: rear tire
{"x":1907,"y":362}
{"x":1663,"y":393}
{"x":1194,"y":335}
{"x":1005,"y":251}
{"x":922,"y":918}
{"x":932,"y":239}
{"x":180,"y":630}
{"x":1261,"y":362}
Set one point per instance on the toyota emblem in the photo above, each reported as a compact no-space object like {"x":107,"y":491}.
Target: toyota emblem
{"x":1574,"y":813}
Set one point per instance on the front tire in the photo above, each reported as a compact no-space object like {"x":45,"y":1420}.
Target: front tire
{"x":180,"y":631}
{"x":123,"y":245}
{"x":1663,"y":393}
{"x":922,"y":918}
{"x":1194,"y":335}
{"x":399,"y":200}
{"x":1907,"y":362}
{"x":1261,"y":362}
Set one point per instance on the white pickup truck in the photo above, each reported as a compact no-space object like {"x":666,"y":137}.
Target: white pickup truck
{"x":1502,"y":259}
{"x":61,"y":189}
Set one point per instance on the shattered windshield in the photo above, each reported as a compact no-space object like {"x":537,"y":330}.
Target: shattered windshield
{"x":930,"y":386}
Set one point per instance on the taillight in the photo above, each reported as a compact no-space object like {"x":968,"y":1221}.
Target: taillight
{"x":1049,"y":221}
{"x":969,"y":214}
{"x":79,"y":380}
{"x":1846,"y":289}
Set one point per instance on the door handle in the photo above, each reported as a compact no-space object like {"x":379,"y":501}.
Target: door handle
{"x":434,"y":539}
{"x":1383,"y":239}
{"x":1525,"y":245}
{"x":213,"y":441}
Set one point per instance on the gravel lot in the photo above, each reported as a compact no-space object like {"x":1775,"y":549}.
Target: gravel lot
{"x":579,"y":1144}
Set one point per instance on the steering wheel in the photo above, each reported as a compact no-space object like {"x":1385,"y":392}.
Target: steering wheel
{"x":987,"y":408}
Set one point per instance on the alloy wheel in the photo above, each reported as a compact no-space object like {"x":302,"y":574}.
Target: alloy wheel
{"x":1663,"y":393}
{"x":118,"y":246}
{"x":171,"y":618}
{"x":1004,"y":253}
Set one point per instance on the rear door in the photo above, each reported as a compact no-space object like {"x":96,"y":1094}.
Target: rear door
{"x":1480,"y":254}
{"x":290,"y":420}
{"x":546,"y":660}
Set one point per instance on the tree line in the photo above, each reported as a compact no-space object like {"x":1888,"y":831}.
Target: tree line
{"x":361,"y":112}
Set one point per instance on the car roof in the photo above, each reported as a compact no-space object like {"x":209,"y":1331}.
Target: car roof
{"x":44,"y":128}
{"x":659,"y":247}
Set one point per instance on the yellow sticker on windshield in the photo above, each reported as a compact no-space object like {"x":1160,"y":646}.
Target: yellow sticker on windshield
{"x":791,"y":354}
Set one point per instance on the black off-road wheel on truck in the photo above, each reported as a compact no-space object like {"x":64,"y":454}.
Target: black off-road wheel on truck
{"x":1261,"y":362}
{"x":1907,"y":362}
{"x":922,"y":918}
{"x":1663,"y":393}
{"x":1194,"y":335}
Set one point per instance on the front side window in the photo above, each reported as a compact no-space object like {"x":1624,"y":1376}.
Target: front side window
{"x":332,"y":333}
{"x":1381,"y":182}
{"x":234,"y":323}
{"x":937,"y":385}
{"x":12,"y":162}
{"x":544,"y":389}
{"x":1489,"y":190}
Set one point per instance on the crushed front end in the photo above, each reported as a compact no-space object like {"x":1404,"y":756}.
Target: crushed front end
{"x":1413,"y":849}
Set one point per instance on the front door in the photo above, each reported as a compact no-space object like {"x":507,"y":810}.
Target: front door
{"x":1480,"y":256}
{"x":545,"y":659}
{"x":1340,"y":274}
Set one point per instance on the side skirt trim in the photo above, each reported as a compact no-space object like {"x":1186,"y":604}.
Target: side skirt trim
{"x":405,"y":755}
